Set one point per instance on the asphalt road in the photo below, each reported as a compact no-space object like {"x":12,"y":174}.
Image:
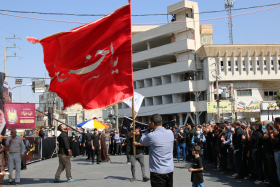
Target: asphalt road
{"x":115,"y":174}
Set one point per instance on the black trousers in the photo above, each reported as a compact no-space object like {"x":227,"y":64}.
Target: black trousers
{"x":88,"y":148}
{"x":161,"y":180}
{"x":23,"y":161}
{"x":95,"y":152}
{"x":118,"y":149}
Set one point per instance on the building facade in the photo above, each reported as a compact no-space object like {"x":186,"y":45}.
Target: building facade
{"x":166,"y":69}
{"x":71,"y":115}
{"x":249,"y":75}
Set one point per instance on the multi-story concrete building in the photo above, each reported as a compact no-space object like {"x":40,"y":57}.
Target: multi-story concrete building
{"x":249,"y":73}
{"x":165,"y":67}
{"x":72,"y":115}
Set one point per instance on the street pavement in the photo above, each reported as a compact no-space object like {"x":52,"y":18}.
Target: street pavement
{"x":116,"y":173}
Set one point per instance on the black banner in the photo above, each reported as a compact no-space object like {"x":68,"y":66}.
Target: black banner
{"x":48,"y":147}
{"x":127,"y":124}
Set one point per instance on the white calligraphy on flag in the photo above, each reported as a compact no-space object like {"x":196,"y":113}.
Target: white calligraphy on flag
{"x":138,"y":99}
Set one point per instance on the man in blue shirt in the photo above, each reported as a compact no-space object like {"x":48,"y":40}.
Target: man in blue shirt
{"x":118,"y":142}
{"x":160,"y":143}
{"x":199,"y":140}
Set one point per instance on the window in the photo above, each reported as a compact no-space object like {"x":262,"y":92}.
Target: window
{"x":258,"y":66}
{"x":264,"y":65}
{"x":270,"y":93}
{"x":229,"y":65}
{"x":243,"y":65}
{"x":222,"y":65}
{"x":279,"y":64}
{"x":244,"y":92}
{"x":236,"y":65}
{"x":251,"y":65}
{"x":272,"y":65}
{"x":72,"y":121}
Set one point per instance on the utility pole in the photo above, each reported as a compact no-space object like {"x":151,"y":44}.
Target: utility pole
{"x":232,"y":103}
{"x":228,"y":5}
{"x":117,"y":116}
{"x":54,"y":111}
{"x":5,"y":52}
{"x":217,"y":91}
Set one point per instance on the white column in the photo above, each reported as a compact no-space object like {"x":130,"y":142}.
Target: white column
{"x":180,"y":119}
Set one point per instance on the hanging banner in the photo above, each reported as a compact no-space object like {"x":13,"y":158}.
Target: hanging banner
{"x":138,"y":99}
{"x":20,"y":115}
{"x":225,"y":107}
{"x":248,"y":106}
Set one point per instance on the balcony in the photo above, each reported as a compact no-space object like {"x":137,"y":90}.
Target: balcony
{"x":171,"y":108}
{"x":158,"y":32}
{"x":172,"y":88}
{"x":168,"y":49}
{"x":173,"y":68}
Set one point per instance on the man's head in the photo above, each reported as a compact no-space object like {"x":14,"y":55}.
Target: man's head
{"x":137,"y":132}
{"x":196,"y":150}
{"x":257,"y":125}
{"x":277,"y":123}
{"x":155,"y":121}
{"x":181,"y":130}
{"x":106,"y":131}
{"x":61,"y":127}
{"x":95,"y":131}
{"x":42,"y":128}
{"x":99,"y":131}
{"x":117,"y":131}
{"x":236,"y":124}
{"x":198,"y":130}
{"x":87,"y":130}
{"x":13,"y":133}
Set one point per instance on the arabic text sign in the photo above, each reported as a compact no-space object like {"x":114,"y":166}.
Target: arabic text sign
{"x":248,"y":106}
{"x":225,"y":107}
{"x":20,"y":115}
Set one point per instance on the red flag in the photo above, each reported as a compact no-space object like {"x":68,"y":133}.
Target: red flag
{"x":92,"y":64}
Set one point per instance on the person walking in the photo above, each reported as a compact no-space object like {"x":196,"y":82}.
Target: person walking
{"x":27,"y":148}
{"x":95,"y":146}
{"x":197,"y":169}
{"x":16,"y":152}
{"x":181,"y":138}
{"x":64,"y":155}
{"x":118,"y":142}
{"x":160,"y":143}
{"x":107,"y":140}
{"x":139,"y":155}
{"x":87,"y":144}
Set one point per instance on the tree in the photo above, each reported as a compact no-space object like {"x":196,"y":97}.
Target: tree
{"x":277,"y":98}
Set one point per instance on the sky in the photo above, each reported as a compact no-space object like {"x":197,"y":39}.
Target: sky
{"x":254,"y":28}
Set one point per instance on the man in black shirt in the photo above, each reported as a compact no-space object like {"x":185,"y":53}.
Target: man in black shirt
{"x":237,"y":141}
{"x":139,"y":155}
{"x":95,"y":145}
{"x":181,"y":139}
{"x":87,"y":143}
{"x":112,"y":143}
{"x":256,"y":148}
{"x":64,"y":154}
{"x":197,"y":177}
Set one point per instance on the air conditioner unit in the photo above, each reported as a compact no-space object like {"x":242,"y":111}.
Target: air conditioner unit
{"x":38,"y":86}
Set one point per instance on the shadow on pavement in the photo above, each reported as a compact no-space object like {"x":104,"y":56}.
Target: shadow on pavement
{"x":117,"y":177}
{"x":24,"y":181}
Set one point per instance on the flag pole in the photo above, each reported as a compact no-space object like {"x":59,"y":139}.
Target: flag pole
{"x":133,"y":124}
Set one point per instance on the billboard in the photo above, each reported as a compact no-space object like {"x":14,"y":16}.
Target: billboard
{"x":248,"y":106}
{"x":225,"y":107}
{"x":20,"y":115}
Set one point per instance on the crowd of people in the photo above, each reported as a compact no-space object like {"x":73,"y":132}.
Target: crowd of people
{"x":245,"y":150}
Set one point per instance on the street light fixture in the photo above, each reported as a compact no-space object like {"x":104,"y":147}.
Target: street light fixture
{"x":18,"y":81}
